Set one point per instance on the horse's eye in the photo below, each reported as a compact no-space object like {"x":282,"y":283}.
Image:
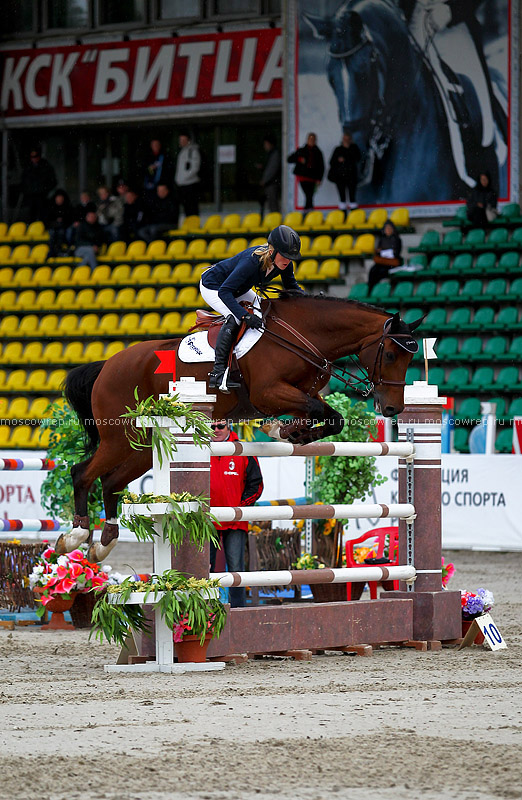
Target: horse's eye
{"x":389,"y":357}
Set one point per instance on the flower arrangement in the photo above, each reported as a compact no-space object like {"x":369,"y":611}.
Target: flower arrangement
{"x":360,"y":554}
{"x":186,"y":604}
{"x":447,"y":572}
{"x":59,"y":575}
{"x":474,"y":604}
{"x":308,"y":561}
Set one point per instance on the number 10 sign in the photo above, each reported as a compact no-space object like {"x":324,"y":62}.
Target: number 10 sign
{"x":492,"y":636}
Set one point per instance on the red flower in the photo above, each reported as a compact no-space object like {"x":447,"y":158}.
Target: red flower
{"x":75,"y":570}
{"x":64,"y":587}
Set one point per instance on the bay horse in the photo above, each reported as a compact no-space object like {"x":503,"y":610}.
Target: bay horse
{"x":281,"y":376}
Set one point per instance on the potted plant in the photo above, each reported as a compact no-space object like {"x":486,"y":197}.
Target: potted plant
{"x":188,"y":605}
{"x":57,"y":579}
{"x":473,"y":605}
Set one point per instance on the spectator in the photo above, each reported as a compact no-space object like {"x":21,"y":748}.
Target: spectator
{"x":482,"y":203}
{"x":38,"y":179}
{"x":387,"y":254}
{"x":158,"y":169}
{"x":343,"y":170}
{"x":162,"y":215}
{"x":234,"y":481}
{"x":133,"y":215}
{"x":271,"y":177}
{"x":309,"y":168}
{"x":187,"y":180}
{"x":59,"y":222}
{"x":110,"y":213}
{"x":79,"y":213}
{"x":89,"y":237}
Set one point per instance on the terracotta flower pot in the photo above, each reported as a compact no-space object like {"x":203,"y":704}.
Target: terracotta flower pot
{"x":191,"y":650}
{"x":466,"y":625}
{"x":57,"y":606}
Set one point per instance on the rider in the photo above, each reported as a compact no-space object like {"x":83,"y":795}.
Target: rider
{"x":231,"y":280}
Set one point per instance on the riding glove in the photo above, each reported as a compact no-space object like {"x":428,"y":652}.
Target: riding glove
{"x":252,"y":321}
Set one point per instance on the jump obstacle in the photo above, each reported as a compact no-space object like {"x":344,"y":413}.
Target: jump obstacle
{"x":29,"y":525}
{"x":421,"y":610}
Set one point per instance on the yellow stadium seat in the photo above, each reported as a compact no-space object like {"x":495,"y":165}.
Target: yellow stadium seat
{"x":6,"y":275}
{"x":48,"y":325}
{"x":330,"y":268}
{"x":93,"y":351}
{"x":125,"y":298}
{"x":46,"y":300}
{"x":294,"y":219}
{"x":145,"y":298}
{"x":181,"y":273}
{"x":3,"y":230}
{"x":129,"y":324}
{"x":28,"y":300}
{"x":36,"y":230}
{"x":271,"y":221}
{"x":140,"y":274}
{"x":109,"y":324}
{"x":176,"y":249}
{"x":88,"y":325}
{"x":313,"y":221}
{"x":171,"y":322}
{"x":187,"y":297}
{"x":305,"y":246}
{"x":198,"y":271}
{"x":188,"y":321}
{"x":16,"y":381}
{"x":120,"y":274}
{"x":342,"y":243}
{"x":13,"y":353}
{"x":61,"y":276}
{"x":22,"y":277}
{"x":251,"y":223}
{"x":235,"y":246}
{"x":356,"y":219}
{"x":258,"y":241}
{"x":55,"y":380}
{"x":36,"y":381}
{"x":307,"y":269}
{"x":68,"y":325}
{"x":9,"y":325}
{"x":4,"y":407}
{"x":16,"y":231}
{"x":166,"y":297}
{"x":334,"y":219}
{"x":9,"y":300}
{"x":231,"y":222}
{"x":135,"y":251}
{"x":18,"y":409}
{"x":3,"y":378}
{"x":377,"y":218}
{"x":113,"y":348}
{"x":161,"y":273}
{"x":115,"y":251}
{"x":81,"y":275}
{"x":150,"y":324}
{"x":43,"y":276}
{"x":34,"y":352}
{"x":212,"y":223}
{"x":28,"y":325}
{"x":19,"y":254}
{"x":400,"y":217}
{"x":155,"y":250}
{"x":216,"y":251}
{"x":196,"y":249}
{"x":365,"y":243}
{"x":85,"y":298}
{"x":189,"y":225}
{"x":39,"y":254}
{"x":100,"y":275}
{"x":52,"y":354}
{"x":21,"y":437}
{"x":105,"y":299}
{"x":321,"y":245}
{"x":38,"y":408}
{"x":5,"y":433}
{"x":73,"y":353}
{"x":5,"y":254}
{"x":66,"y":299}
{"x":40,"y":438}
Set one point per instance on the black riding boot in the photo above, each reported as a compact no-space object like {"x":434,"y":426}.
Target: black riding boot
{"x":225,"y":341}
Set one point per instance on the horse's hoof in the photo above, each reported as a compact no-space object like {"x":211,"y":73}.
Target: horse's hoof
{"x":67,"y":542}
{"x":98,"y":552}
{"x":273,"y":431}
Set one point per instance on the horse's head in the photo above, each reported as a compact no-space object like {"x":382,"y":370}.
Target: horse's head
{"x":386,"y":360}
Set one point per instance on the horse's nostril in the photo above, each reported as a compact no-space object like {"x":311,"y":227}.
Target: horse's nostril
{"x":389,"y":411}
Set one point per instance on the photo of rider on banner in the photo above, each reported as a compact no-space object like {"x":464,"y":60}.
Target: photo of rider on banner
{"x":421,"y":86}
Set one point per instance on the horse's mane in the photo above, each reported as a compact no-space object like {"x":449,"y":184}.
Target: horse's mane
{"x":283,"y":294}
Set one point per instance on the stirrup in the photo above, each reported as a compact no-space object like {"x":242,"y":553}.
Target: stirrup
{"x":222,"y":381}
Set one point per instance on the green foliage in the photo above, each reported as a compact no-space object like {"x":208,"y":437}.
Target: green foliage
{"x":189,"y":599}
{"x":66,"y":447}
{"x":345,"y":480}
{"x":177,"y":523}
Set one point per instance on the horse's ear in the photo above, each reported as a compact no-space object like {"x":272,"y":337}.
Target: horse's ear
{"x":322,"y":27}
{"x":414,"y":325}
{"x":395,"y":323}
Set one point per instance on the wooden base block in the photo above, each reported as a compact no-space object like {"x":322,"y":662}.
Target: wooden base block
{"x":7,"y":624}
{"x":233,"y":658}
{"x":365,"y":650}
{"x":140,"y":659}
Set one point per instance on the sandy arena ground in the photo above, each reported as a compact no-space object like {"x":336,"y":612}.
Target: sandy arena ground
{"x":402,"y":724}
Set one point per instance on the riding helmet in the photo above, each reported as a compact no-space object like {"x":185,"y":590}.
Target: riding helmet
{"x":285,"y":240}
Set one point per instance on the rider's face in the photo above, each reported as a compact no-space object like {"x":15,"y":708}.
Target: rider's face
{"x":281,"y":262}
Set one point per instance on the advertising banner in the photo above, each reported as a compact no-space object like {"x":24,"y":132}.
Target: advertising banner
{"x":238,"y":69}
{"x":425,"y":88}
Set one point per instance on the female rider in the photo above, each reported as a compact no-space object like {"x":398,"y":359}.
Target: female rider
{"x":229,"y":281}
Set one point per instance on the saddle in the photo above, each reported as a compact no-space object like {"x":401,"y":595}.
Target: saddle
{"x":212,"y":323}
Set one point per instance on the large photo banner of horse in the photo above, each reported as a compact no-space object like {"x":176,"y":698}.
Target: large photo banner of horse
{"x":427,"y":90}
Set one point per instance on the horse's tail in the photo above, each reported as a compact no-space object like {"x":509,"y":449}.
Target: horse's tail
{"x":78,"y":390}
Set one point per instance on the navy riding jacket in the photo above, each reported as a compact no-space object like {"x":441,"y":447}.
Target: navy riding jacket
{"x":235,"y":276}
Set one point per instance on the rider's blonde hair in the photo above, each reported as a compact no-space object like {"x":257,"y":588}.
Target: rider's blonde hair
{"x":264,"y":252}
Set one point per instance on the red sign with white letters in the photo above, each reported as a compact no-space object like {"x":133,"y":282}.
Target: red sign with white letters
{"x":240,"y":69}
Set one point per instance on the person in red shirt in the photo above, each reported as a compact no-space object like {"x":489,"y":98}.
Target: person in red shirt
{"x":234,"y":481}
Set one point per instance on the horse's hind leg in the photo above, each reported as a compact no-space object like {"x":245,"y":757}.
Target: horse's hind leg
{"x":81,"y":532}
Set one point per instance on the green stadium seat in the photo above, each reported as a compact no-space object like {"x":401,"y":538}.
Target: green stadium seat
{"x":516,"y":238}
{"x":510,"y":211}
{"x":440,"y":262}
{"x":426,"y":291}
{"x":462,"y":262}
{"x":504,"y":441}
{"x":515,"y":408}
{"x":459,"y":318}
{"x":460,"y":440}
{"x":413,"y":374}
{"x":412,"y":314}
{"x":474,"y":238}
{"x":507,"y":379}
{"x":447,"y":347}
{"x":429,"y":241}
{"x":482,"y":379}
{"x":448,"y":291}
{"x":436,"y":319}
{"x":472,"y":289}
{"x":515,"y":290}
{"x":436,"y":375}
{"x":495,"y":347}
{"x":420,"y":259}
{"x":451,"y":239}
{"x":380,"y":292}
{"x":500,"y":403}
{"x":469,"y":409}
{"x":498,"y":236}
{"x":509,"y":261}
{"x":515,"y":349}
{"x":483,"y":317}
{"x":359,"y":291}
{"x":494,"y":289}
{"x":457,"y":379}
{"x":486,"y":262}
{"x":471,"y":348}
{"x":403,"y":291}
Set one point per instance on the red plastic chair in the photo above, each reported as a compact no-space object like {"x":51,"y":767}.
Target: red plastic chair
{"x":376,"y":539}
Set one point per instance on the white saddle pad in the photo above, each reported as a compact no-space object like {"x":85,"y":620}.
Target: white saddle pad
{"x":195,"y":346}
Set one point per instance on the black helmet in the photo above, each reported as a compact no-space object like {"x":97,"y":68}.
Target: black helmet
{"x":285,"y":240}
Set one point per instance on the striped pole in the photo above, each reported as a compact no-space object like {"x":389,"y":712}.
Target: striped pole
{"x":287,"y":577}
{"x":18,"y":464}
{"x":349,"y":449}
{"x":32,"y":525}
{"x":354,"y":511}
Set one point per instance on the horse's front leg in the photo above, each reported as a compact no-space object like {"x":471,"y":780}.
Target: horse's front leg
{"x":283,"y":398}
{"x":80,"y":533}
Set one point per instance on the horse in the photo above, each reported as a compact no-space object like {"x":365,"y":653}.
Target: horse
{"x":417,"y":128}
{"x":283,"y":375}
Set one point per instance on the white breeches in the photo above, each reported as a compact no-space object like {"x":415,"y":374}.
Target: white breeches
{"x":211,"y":297}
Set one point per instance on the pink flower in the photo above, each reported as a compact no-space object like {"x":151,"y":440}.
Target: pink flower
{"x":48,"y":553}
{"x":62,"y":572}
{"x":76,"y":555}
{"x":44,"y":600}
{"x":64,"y":587}
{"x":89,"y":574}
{"x":75,"y":570}
{"x":98,"y":581}
{"x":52,"y":581}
